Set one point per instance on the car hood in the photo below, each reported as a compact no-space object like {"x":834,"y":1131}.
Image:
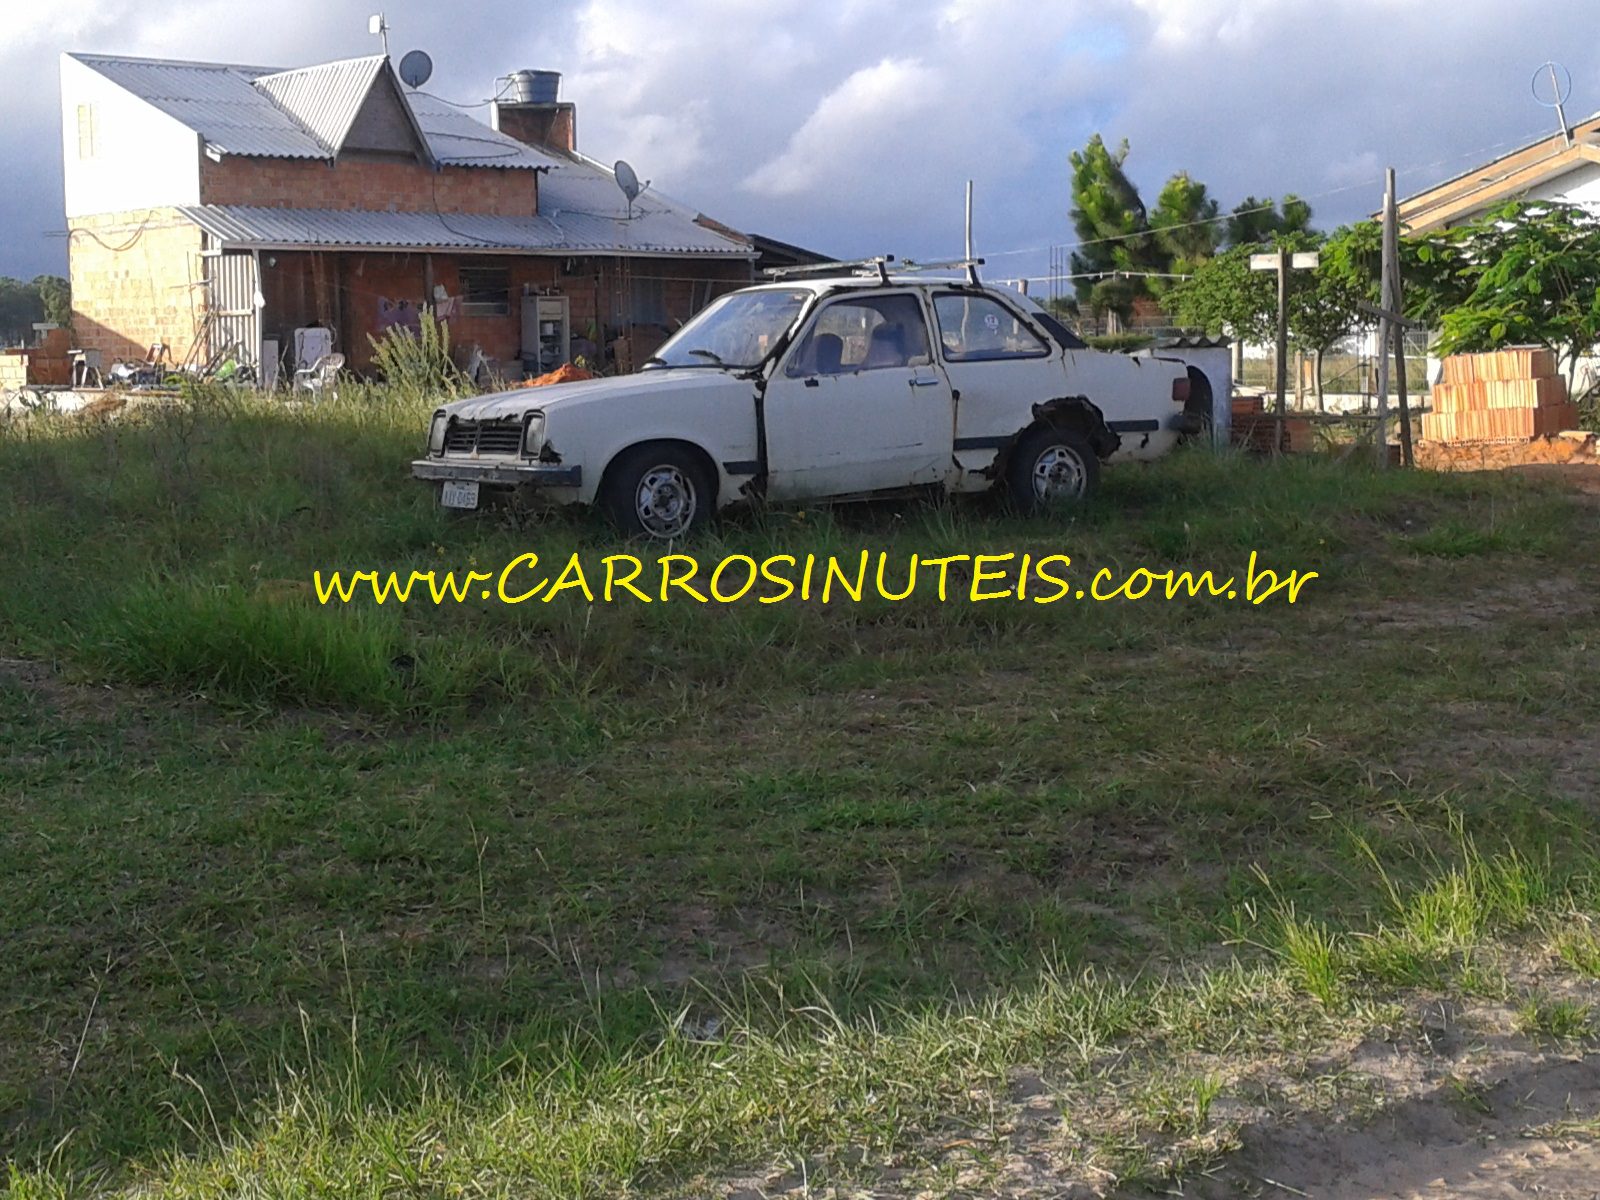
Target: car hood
{"x":561,"y":397}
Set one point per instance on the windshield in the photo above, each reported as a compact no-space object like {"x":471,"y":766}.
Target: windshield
{"x":739,"y":330}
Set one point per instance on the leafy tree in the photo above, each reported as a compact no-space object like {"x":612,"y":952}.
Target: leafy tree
{"x":1323,"y":310}
{"x":1534,"y":270}
{"x":1115,"y":295}
{"x":55,"y":293}
{"x":1435,"y":271}
{"x":1225,"y":296}
{"x":20,"y":308}
{"x":23,"y":305}
{"x":1256,"y":222}
{"x":1110,"y":220}
{"x":1185,"y":228}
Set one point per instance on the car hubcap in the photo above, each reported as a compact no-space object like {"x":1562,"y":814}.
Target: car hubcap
{"x":1058,"y":474}
{"x":665,"y":501}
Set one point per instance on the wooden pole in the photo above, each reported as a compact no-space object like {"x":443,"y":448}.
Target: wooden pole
{"x":1282,"y":349}
{"x":1395,"y":303}
{"x":1381,"y":437}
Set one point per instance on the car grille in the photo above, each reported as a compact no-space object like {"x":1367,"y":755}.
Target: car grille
{"x":496,"y":438}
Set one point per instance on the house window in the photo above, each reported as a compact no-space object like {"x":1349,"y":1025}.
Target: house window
{"x":648,"y":302}
{"x":86,"y":132}
{"x":486,"y":291}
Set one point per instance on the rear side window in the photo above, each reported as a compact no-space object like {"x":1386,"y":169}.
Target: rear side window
{"x":979,"y":329}
{"x":872,"y":333}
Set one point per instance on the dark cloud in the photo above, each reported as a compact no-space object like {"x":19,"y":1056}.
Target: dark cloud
{"x":853,"y":125}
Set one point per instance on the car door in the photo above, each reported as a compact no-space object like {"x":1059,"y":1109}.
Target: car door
{"x":859,"y":405}
{"x":999,"y":367}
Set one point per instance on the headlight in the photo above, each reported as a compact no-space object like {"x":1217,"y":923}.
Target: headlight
{"x":436,"y":433}
{"x":532,"y":434}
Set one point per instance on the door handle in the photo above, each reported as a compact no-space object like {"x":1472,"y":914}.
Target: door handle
{"x":924,"y":383}
{"x":812,"y":382}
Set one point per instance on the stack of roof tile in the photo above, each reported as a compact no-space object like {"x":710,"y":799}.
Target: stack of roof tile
{"x":1507,"y":395}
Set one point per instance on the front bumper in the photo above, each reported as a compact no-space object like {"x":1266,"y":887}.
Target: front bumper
{"x":539,"y":475}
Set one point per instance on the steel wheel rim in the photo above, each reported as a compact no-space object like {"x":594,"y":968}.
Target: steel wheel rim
{"x":1059,"y":474}
{"x":665,"y":501}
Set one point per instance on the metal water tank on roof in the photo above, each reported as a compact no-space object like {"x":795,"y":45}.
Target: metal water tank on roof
{"x":536,"y":87}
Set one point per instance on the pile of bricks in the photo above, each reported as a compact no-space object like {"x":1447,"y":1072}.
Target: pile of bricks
{"x":1253,"y":427}
{"x":1507,"y":395}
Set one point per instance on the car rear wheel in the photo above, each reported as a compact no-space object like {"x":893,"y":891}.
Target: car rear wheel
{"x":658,"y":490}
{"x":1049,"y":468}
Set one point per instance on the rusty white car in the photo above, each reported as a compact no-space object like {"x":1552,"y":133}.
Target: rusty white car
{"x":823,"y":388}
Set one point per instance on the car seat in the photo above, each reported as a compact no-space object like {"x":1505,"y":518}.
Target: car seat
{"x":827,"y":354}
{"x":887,"y":348}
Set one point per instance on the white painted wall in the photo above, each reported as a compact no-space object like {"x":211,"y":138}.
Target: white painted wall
{"x":1581,"y":185}
{"x":143,"y":157}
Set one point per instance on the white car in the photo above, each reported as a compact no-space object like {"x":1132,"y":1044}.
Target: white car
{"x":838,"y":387}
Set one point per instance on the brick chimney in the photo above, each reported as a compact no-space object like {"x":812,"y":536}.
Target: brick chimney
{"x":532,"y":112}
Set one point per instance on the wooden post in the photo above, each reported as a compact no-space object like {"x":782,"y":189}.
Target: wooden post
{"x":1386,"y":290}
{"x":1394,"y":302}
{"x":1283,"y":349}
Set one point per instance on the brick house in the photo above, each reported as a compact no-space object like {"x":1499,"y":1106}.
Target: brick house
{"x":214,"y":206}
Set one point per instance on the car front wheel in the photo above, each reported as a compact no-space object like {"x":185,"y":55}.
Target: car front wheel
{"x":659,"y":490}
{"x":1051,"y":467}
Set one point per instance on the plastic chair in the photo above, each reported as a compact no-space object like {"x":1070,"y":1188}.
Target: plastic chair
{"x":322,"y":376}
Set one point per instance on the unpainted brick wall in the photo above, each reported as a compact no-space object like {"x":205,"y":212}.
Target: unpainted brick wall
{"x":378,"y":185}
{"x":133,"y":283}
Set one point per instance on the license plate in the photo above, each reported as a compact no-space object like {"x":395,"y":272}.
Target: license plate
{"x":458,"y":493}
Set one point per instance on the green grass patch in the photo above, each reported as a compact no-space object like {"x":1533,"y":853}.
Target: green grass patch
{"x":577,"y":900}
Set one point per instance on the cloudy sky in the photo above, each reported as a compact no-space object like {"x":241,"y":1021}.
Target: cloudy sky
{"x":852,"y":125}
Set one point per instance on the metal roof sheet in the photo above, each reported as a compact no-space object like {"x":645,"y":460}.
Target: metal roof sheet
{"x":243,"y":227}
{"x":324,"y":98}
{"x":462,"y":141}
{"x":303,"y":113}
{"x":216,"y":100}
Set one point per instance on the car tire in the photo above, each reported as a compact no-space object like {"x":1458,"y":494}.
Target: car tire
{"x":658,"y":490}
{"x":1049,"y":468}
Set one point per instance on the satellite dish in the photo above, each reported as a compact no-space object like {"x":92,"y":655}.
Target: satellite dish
{"x":628,"y":181}
{"x":416,"y":68}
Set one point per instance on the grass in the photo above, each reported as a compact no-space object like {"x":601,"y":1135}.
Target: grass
{"x":572,"y":900}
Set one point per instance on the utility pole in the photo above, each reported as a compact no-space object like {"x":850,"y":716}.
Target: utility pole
{"x":1283,"y":262}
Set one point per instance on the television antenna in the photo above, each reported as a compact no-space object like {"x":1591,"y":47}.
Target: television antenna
{"x":378,"y":26}
{"x":628,"y":181}
{"x":416,"y":68}
{"x":1558,"y":80}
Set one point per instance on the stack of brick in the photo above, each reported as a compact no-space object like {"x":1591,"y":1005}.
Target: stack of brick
{"x":1507,"y":395}
{"x":1253,"y":426}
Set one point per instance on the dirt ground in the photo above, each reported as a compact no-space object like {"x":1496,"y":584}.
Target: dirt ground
{"x":1477,"y":1115}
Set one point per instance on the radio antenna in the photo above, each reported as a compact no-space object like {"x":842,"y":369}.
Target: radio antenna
{"x":1560,"y":84}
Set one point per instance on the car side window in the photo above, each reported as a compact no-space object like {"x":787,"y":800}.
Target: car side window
{"x":869,"y":333}
{"x":980,"y":329}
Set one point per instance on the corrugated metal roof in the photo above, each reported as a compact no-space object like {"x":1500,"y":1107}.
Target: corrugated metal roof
{"x":240,"y":227}
{"x":325,"y":98}
{"x":582,"y":195}
{"x":216,"y":100}
{"x":461,"y":141}
{"x":304,"y":113}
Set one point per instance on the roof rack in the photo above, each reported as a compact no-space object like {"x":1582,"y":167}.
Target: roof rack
{"x":969,"y":265}
{"x":880,"y":264}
